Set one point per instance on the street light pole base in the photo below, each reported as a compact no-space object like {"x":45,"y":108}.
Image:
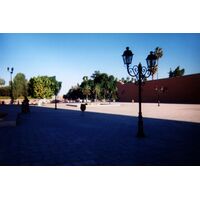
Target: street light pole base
{"x":140,"y":133}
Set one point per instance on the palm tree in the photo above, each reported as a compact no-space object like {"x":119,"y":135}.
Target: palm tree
{"x":171,"y":74}
{"x":153,"y":71}
{"x":176,"y":72}
{"x":97,"y":91}
{"x":104,"y":84}
{"x":112,"y":87}
{"x":86,"y":91}
{"x":123,"y":79}
{"x":179,"y":72}
{"x":85,"y":78}
{"x":159,"y":53}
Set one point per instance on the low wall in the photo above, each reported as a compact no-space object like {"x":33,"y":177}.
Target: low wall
{"x":183,"y":89}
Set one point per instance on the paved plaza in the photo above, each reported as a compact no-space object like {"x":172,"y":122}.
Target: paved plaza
{"x":103,"y":136}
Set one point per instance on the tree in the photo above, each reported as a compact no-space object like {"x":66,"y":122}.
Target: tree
{"x":97,"y":90}
{"x":99,"y":86}
{"x":132,"y":80}
{"x":2,"y":82}
{"x":55,"y":85}
{"x":20,"y":87}
{"x":123,"y":80}
{"x":127,"y":80}
{"x":86,"y":91}
{"x":40,"y":87}
{"x":153,"y":71}
{"x":171,"y":74}
{"x":95,"y":75}
{"x":75,"y":92}
{"x":5,"y":91}
{"x":104,"y":84}
{"x":159,"y":53}
{"x":176,"y":72}
{"x":112,"y":86}
{"x":44,"y":87}
{"x":179,"y":72}
{"x":86,"y":88}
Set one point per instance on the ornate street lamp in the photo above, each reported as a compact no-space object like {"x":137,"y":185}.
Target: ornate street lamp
{"x":140,"y":73}
{"x":11,"y":85}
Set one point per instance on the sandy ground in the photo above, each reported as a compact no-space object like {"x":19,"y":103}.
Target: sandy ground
{"x":179,"y":112}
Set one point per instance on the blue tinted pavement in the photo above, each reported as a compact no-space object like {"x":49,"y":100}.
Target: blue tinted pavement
{"x":48,"y":137}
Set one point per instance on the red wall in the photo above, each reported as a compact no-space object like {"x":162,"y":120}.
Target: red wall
{"x":183,"y":89}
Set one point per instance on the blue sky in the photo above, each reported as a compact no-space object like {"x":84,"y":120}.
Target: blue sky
{"x":69,"y":57}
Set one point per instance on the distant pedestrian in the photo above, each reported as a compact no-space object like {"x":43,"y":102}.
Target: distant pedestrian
{"x":83,"y":107}
{"x":25,"y":105}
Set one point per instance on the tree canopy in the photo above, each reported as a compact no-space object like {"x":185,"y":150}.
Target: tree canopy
{"x":20,"y":86}
{"x":44,"y":87}
{"x":127,"y":80}
{"x":5,"y":91}
{"x":159,"y":53}
{"x":2,"y":82}
{"x":176,"y":72}
{"x":99,"y":86}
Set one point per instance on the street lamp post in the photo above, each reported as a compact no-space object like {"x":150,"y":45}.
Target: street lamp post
{"x":55,"y":102}
{"x":57,"y":86}
{"x":140,"y":73}
{"x":11,"y":85}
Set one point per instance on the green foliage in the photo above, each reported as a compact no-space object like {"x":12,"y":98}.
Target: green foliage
{"x":159,"y":54}
{"x":20,"y":87}
{"x":104,"y":84}
{"x":171,"y":74}
{"x":127,"y":80}
{"x":107,"y":85}
{"x":55,"y":85}
{"x":99,"y":86}
{"x":85,"y":78}
{"x":86,"y":90}
{"x":176,"y":72}
{"x":5,"y":91}
{"x":2,"y":82}
{"x":43,"y":87}
{"x":74,"y":93}
{"x":153,"y":70}
{"x":97,"y":91}
{"x":86,"y":86}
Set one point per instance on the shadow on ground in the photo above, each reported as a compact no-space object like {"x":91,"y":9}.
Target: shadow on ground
{"x":48,"y":137}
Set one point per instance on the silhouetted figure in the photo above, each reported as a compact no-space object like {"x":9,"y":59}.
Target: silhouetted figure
{"x":83,"y":107}
{"x":25,"y":105}
{"x":12,"y":101}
